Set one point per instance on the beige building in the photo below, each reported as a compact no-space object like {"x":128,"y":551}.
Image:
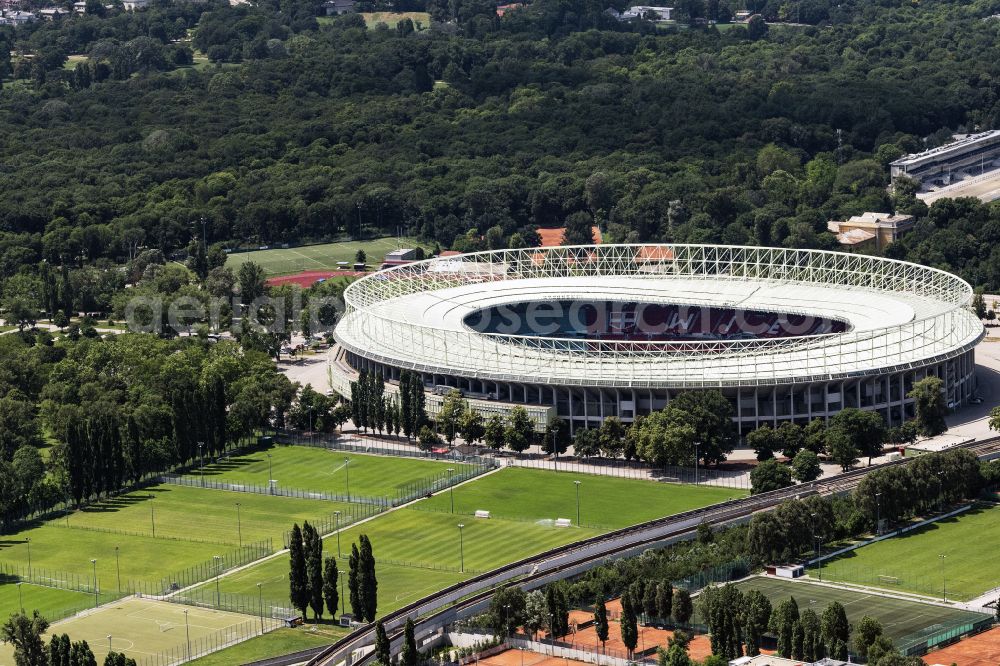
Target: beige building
{"x":878,"y":229}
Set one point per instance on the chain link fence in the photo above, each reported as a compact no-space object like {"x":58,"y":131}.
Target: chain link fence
{"x":276,"y":490}
{"x":921,"y":642}
{"x":720,"y":573}
{"x":633,"y":469}
{"x":338,"y":520}
{"x":363,"y":444}
{"x":191,"y":649}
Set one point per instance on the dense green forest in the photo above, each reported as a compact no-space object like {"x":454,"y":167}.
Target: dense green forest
{"x":476,"y":128}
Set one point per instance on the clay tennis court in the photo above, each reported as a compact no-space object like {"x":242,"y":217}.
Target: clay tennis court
{"x":979,"y":650}
{"x":649,"y":637}
{"x":526,"y":658}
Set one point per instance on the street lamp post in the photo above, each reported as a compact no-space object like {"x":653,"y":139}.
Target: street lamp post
{"x":270,"y":476}
{"x":815,"y":540}
{"x":696,"y":445}
{"x":27,"y":540}
{"x":340,"y":575}
{"x":187,"y":633}
{"x":944,"y":583}
{"x":878,"y":514}
{"x":201,"y":454}
{"x":20,"y":599}
{"x":577,"y":484}
{"x":347,"y":471}
{"x":218,"y":573}
{"x":118,"y":570}
{"x":97,"y":602}
{"x":451,"y":488}
{"x":336,"y":517}
{"x":461,"y":546}
{"x":239,"y":525}
{"x":260,"y":606}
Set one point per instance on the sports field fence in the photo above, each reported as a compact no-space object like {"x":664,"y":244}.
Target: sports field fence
{"x":61,"y":580}
{"x":634,"y":469}
{"x":275,"y":490}
{"x":191,"y":649}
{"x":548,"y":522}
{"x":210,"y":596}
{"x":373,"y":445}
{"x":925,"y":640}
{"x":218,"y":565}
{"x":337,"y":521}
{"x":726,"y":572}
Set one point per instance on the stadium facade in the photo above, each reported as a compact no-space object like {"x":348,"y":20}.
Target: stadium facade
{"x":618,"y":330}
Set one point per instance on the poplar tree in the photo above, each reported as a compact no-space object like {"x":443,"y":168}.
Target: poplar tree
{"x":408,"y":654}
{"x":629,"y":627}
{"x":601,"y":620}
{"x":298,"y":585}
{"x":330,"y":591}
{"x":313,"y":547}
{"x":367,"y":583}
{"x":353,"y":578}
{"x":664,"y":600}
{"x":383,"y":649}
{"x":649,"y":601}
{"x":405,"y":404}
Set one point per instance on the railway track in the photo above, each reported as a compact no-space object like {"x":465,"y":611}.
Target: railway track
{"x":472,"y":596}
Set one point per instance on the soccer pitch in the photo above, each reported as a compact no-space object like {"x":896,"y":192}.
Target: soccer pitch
{"x":143,"y":628}
{"x":192,"y":526}
{"x":912,"y":562}
{"x":605,"y":502}
{"x":281,"y":261}
{"x":397,"y":585}
{"x":899,"y":617}
{"x":427,"y":535}
{"x":429,"y":544}
{"x":326,"y":470}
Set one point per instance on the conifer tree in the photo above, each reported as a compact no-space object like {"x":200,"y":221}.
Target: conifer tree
{"x":629,"y":626}
{"x":367,"y":583}
{"x":330,"y":592}
{"x":601,"y":620}
{"x":383,"y":649}
{"x":353,"y":583}
{"x":664,"y":600}
{"x":408,"y":654}
{"x":298,"y":584}
{"x":313,"y":547}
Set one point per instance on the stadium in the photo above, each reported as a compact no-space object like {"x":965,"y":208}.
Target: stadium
{"x":589,"y":332}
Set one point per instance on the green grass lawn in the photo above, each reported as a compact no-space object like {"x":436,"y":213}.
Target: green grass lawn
{"x":273,"y":644}
{"x":968,"y":542}
{"x":281,"y":261}
{"x":192,"y":525}
{"x":210,"y":515}
{"x":605,"y":502}
{"x":52,"y":603}
{"x":397,"y":586}
{"x":324,"y":470}
{"x":427,"y":535}
{"x":372,"y":19}
{"x":899,"y":617}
